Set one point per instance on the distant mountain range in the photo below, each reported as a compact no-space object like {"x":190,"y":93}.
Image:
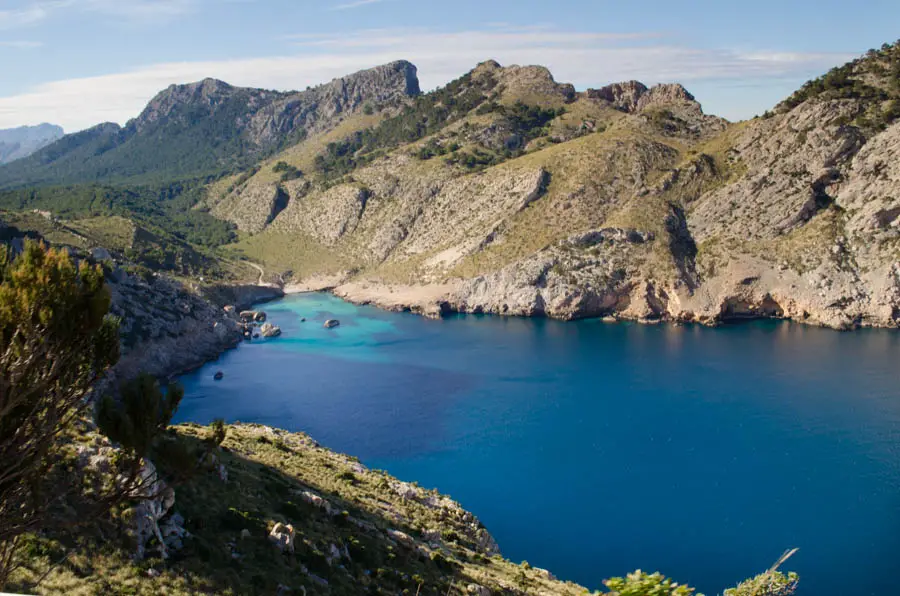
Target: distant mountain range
{"x":507,"y":192}
{"x":16,"y":143}
{"x":207,"y":128}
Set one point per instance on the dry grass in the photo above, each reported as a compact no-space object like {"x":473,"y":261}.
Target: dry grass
{"x":268,"y":472}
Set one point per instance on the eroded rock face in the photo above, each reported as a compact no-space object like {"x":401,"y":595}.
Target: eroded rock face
{"x":585,"y":275}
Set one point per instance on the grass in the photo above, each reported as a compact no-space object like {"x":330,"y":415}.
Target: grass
{"x":439,"y":552}
{"x":292,"y":251}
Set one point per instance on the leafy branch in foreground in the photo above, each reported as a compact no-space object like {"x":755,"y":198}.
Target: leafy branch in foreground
{"x":56,"y":342}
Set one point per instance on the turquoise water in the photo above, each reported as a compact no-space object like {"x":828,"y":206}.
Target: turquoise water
{"x":594,"y":449}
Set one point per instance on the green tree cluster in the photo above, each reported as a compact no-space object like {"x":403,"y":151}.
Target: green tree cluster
{"x":56,"y":342}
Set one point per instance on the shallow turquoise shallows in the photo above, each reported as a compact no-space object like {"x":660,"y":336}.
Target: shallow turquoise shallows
{"x":594,"y":449}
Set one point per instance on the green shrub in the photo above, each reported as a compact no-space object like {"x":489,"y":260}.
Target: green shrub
{"x":771,"y":583}
{"x":644,"y":584}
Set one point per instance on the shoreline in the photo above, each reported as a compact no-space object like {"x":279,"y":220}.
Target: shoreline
{"x":434,"y":301}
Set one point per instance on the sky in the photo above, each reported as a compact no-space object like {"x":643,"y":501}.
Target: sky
{"x":77,"y":63}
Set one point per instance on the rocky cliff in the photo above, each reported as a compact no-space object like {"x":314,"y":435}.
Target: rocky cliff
{"x":168,"y":328}
{"x":623,"y":201}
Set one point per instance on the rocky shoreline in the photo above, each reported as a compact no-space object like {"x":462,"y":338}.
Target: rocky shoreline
{"x":743,"y":299}
{"x":169,"y":328}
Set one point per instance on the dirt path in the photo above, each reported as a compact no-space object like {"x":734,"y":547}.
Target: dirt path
{"x":262,"y":273}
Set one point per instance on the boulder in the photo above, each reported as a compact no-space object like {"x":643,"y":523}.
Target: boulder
{"x":332,"y":323}
{"x":219,"y":376}
{"x":270,"y":330}
{"x":282,"y":536}
{"x":100,"y":254}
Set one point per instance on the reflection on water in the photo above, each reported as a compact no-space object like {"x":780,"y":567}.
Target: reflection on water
{"x":593,"y":449}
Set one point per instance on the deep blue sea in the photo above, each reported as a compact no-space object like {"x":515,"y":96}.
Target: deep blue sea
{"x":593,"y":449}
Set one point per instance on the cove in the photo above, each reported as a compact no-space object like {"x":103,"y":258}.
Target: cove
{"x":593,"y":449}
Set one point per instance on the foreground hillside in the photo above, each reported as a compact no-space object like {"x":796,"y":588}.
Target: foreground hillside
{"x":518,"y":195}
{"x":352,"y":531}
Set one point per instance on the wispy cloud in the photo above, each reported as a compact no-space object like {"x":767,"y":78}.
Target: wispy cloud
{"x":586,"y":59}
{"x":136,"y":10}
{"x":139,"y":9}
{"x":20,"y":44}
{"x":356,"y":4}
{"x":22,"y":17}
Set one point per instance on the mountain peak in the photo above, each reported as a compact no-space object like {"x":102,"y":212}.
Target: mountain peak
{"x":634,"y":96}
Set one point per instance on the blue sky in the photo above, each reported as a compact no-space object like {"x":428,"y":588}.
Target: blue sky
{"x":80,"y":62}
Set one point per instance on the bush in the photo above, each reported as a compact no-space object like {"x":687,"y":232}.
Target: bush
{"x":644,"y":584}
{"x":772,"y":583}
{"x":217,"y":432}
{"x":141,"y":413}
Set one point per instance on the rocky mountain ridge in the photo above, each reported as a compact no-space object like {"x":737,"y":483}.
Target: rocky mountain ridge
{"x":207,"y":128}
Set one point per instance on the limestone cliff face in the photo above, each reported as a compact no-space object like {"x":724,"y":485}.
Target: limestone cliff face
{"x":633,"y":203}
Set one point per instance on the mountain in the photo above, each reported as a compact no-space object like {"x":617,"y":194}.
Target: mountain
{"x":16,"y":143}
{"x":206,"y":128}
{"x":509,"y":193}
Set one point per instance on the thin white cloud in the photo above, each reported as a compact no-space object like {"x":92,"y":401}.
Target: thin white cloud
{"x":134,"y":10}
{"x":139,"y":9}
{"x":582,"y":58}
{"x":20,"y":44}
{"x":22,"y":17}
{"x":356,"y":4}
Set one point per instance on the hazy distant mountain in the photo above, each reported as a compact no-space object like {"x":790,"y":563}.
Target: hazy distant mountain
{"x":16,"y":143}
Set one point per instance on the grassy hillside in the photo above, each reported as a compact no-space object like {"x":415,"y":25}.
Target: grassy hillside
{"x":357,"y":531}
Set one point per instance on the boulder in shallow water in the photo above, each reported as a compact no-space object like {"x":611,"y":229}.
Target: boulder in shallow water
{"x":219,"y":376}
{"x":332,"y":323}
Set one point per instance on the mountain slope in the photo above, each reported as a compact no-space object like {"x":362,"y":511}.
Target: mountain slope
{"x":207,"y":128}
{"x":622,"y":201}
{"x":16,"y":143}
